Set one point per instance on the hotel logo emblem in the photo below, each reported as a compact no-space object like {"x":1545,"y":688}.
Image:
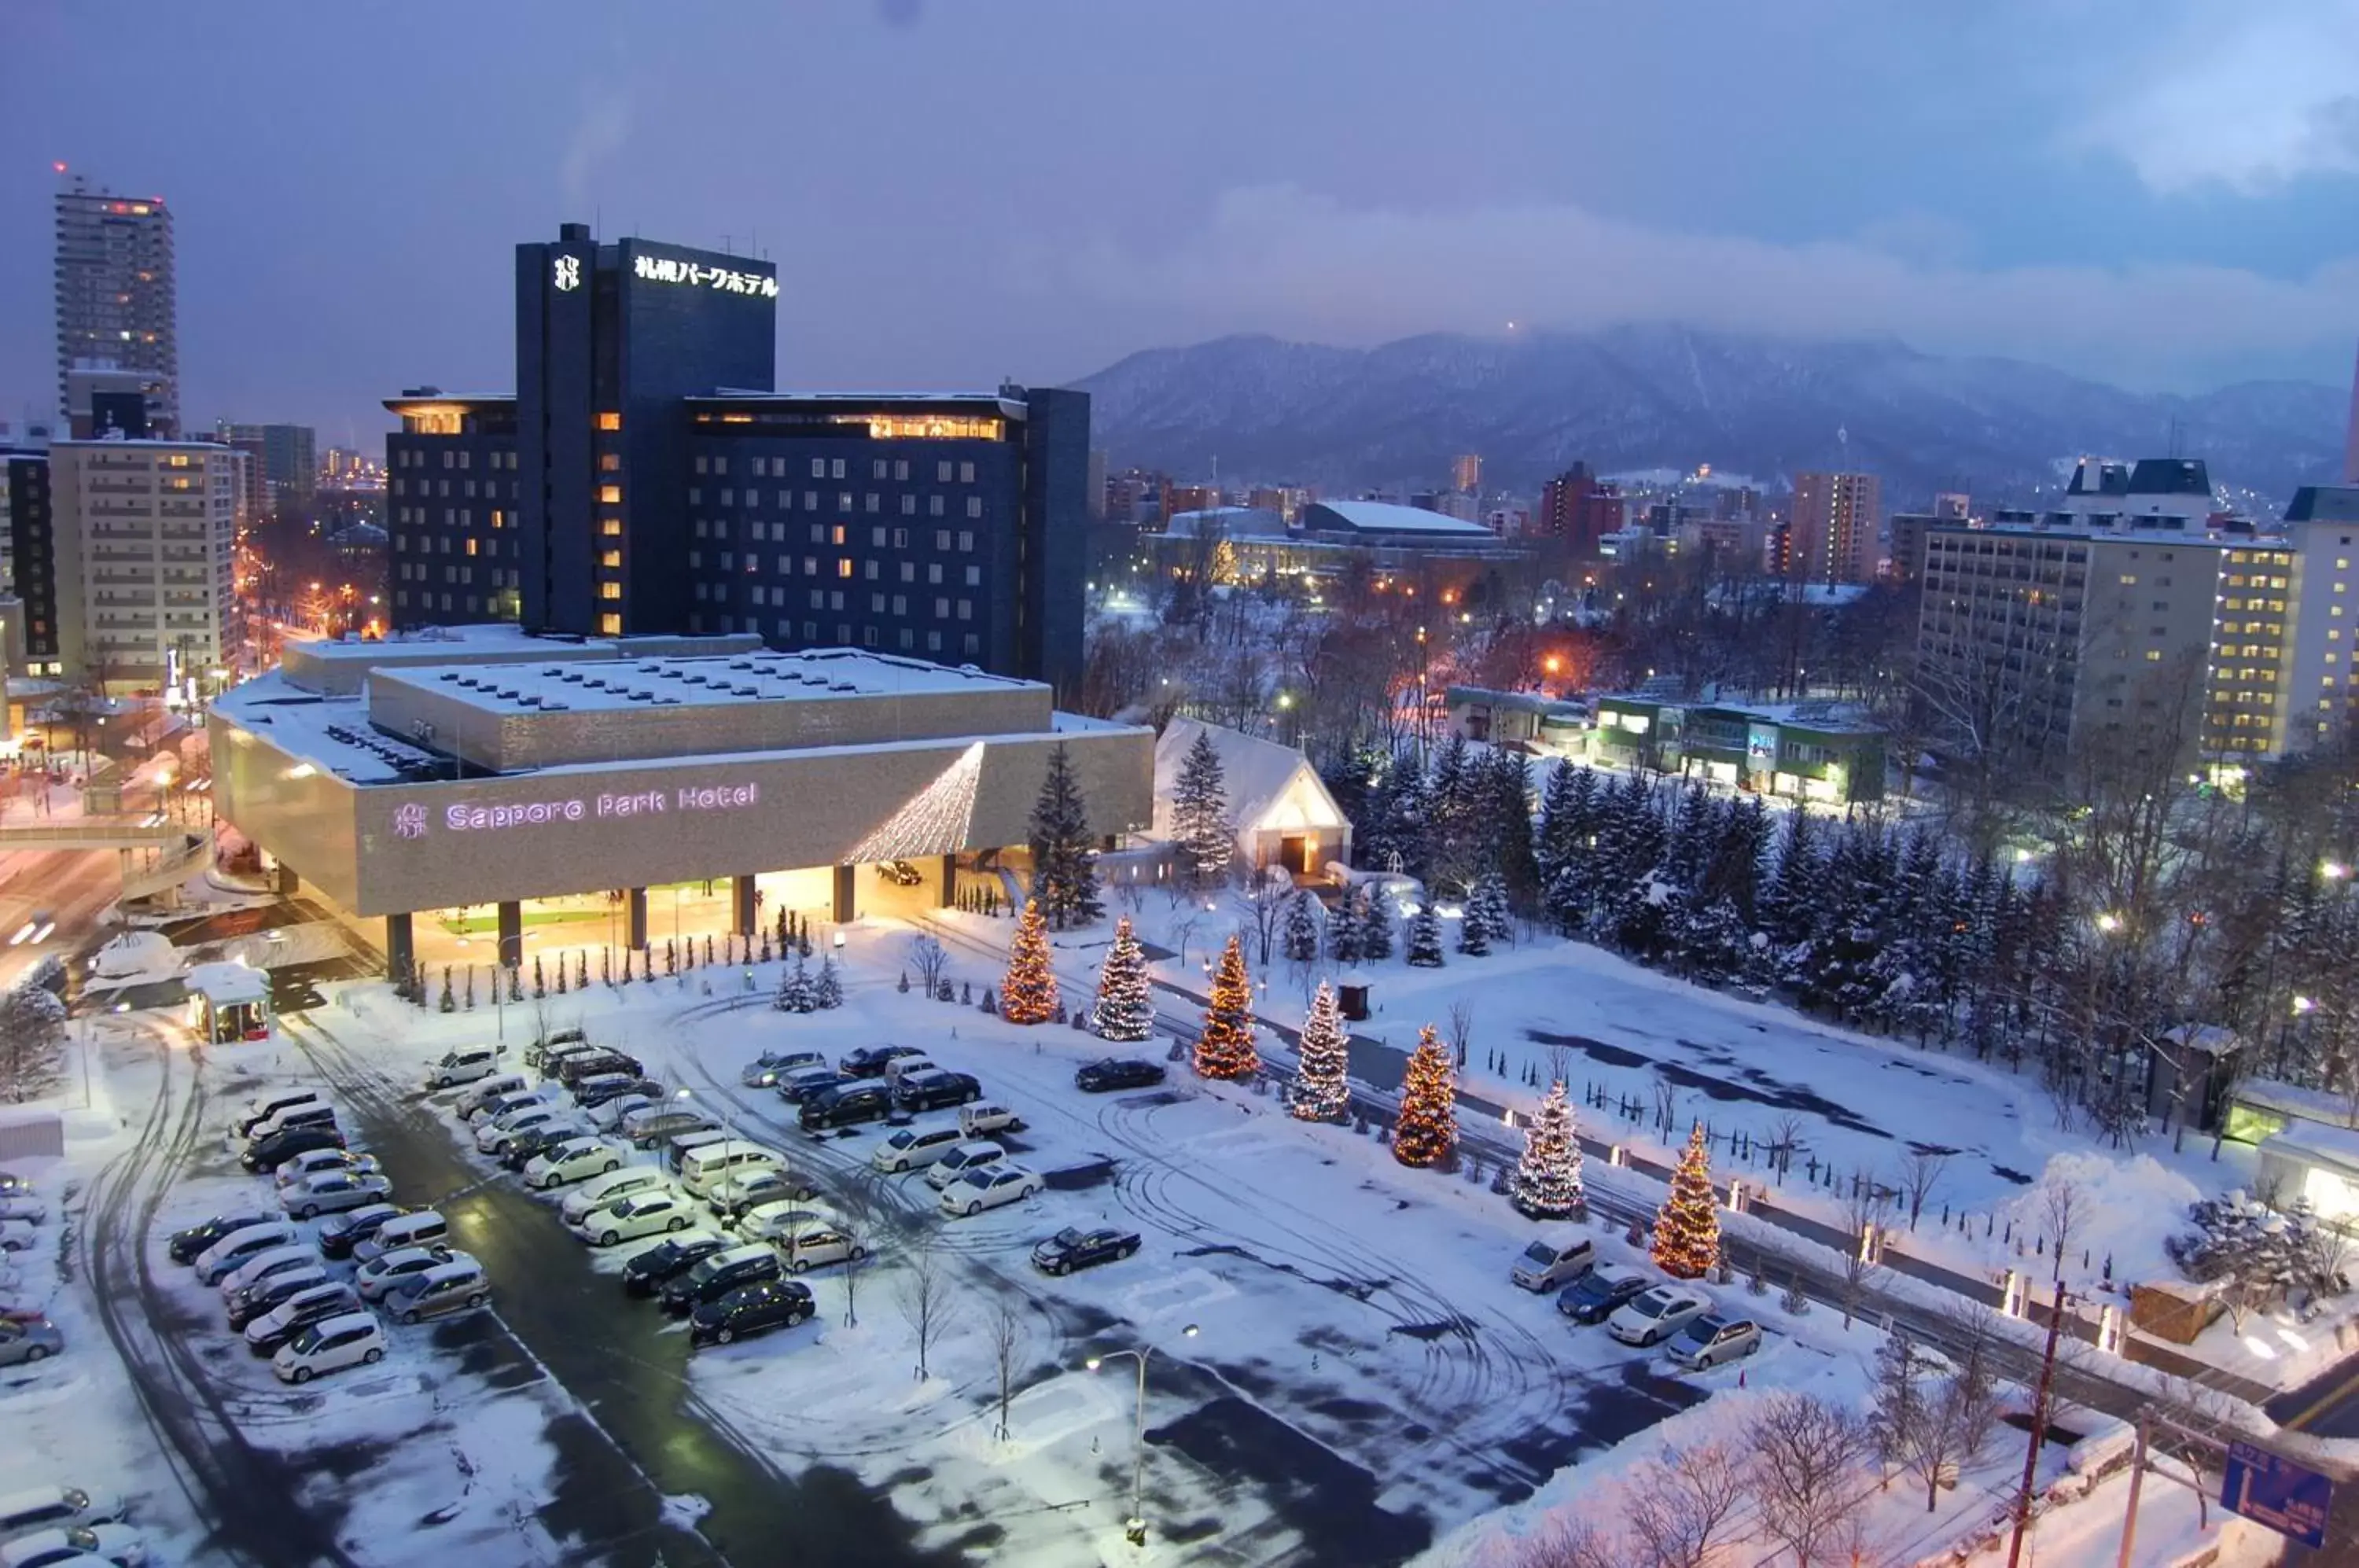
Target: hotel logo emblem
{"x":569,"y":273}
{"x":409,"y":822}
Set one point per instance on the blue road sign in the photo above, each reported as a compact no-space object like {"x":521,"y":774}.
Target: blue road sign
{"x":2272,"y":1490}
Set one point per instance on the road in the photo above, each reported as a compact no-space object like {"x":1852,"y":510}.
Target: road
{"x":73,"y":887}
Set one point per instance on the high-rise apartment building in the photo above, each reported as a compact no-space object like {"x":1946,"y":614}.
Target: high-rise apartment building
{"x":285,"y":457}
{"x":29,"y":563}
{"x":1580,"y":508}
{"x":146,"y":546}
{"x":115,"y":296}
{"x":1833,"y":527}
{"x":1466,"y":474}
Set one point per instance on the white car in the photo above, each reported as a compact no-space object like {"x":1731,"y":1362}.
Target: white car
{"x":989,"y":1186}
{"x":18,"y":1236}
{"x":816,"y":1243}
{"x":494,"y":1137}
{"x":23,"y":1206}
{"x":627,"y":1219}
{"x":311,"y":1161}
{"x":479,"y":1102}
{"x":985,"y":1118}
{"x":83,"y":1545}
{"x":914,"y":1148}
{"x":398,"y":1268}
{"x":601,"y":1191}
{"x":240,"y":1245}
{"x":262,"y":1265}
{"x":608,"y":1118}
{"x":274,"y":1327}
{"x":333,"y":1192}
{"x":1653,"y":1316}
{"x":331,"y":1344}
{"x":774,"y":1221}
{"x":962,"y":1158}
{"x":571,"y":1161}
{"x":51,"y":1506}
{"x":467,"y":1064}
{"x":1711,"y":1339}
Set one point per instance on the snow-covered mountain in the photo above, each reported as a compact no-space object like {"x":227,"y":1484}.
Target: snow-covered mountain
{"x":1645,"y":397}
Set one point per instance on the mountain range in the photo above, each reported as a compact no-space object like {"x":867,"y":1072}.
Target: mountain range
{"x":1648,"y":397}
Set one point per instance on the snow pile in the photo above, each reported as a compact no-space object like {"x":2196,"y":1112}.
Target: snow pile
{"x":134,"y":955}
{"x":2121,"y":1210}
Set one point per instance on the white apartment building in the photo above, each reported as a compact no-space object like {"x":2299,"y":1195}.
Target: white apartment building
{"x":146,"y":560}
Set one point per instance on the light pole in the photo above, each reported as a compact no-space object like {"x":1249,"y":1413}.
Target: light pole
{"x":728,"y":1127}
{"x":1134,"y":1527}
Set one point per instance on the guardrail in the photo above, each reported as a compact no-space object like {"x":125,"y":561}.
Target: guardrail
{"x":93,"y":835}
{"x":171,"y":869}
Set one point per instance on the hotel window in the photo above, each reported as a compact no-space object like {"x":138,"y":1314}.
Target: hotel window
{"x":900,"y":539}
{"x":943,"y":472}
{"x":909,"y":639}
{"x":876,"y":539}
{"x":871,"y":502}
{"x":701,"y":466}
{"x":610,"y":624}
{"x":610,"y":495}
{"x":934,"y":572}
{"x":908,"y":505}
{"x":868,"y":636}
{"x":611,"y":527}
{"x":728,"y":560}
{"x":610,"y":462}
{"x":610,"y":590}
{"x":974,"y":576}
{"x":900,"y":604}
{"x":876,"y":468}
{"x":966,"y":473}
{"x":908,"y":572}
{"x":876,"y":604}
{"x":933,"y":642}
{"x":470,"y":547}
{"x":835,"y":469}
{"x":700,"y":527}
{"x":901,"y":469}
{"x":975,"y":506}
{"x":819,"y":601}
{"x":868,"y":570}
{"x":941,"y":609}
{"x":761,"y":468}
{"x":612,"y":561}
{"x":844,"y":501}
{"x":810,"y":566}
{"x":818,"y":468}
{"x":972,"y":643}
{"x":786,"y":566}
{"x":836,"y":535}
{"x":810,"y":500}
{"x":842,"y":567}
{"x":933,"y":506}
{"x":967,"y":609}
{"x":836,"y":599}
{"x":941,"y":538}
{"x":610,"y":421}
{"x":695,"y":558}
{"x":729,"y":497}
{"x":966,"y":540}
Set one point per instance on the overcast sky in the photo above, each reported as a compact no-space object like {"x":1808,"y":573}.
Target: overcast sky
{"x":2160,"y":192}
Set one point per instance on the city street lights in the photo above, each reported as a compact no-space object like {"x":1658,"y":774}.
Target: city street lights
{"x":1135,"y":1528}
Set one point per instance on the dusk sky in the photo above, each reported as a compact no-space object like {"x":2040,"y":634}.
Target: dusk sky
{"x":2160,"y":192}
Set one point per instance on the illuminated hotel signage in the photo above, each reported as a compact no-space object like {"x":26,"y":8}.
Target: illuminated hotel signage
{"x":409,"y":822}
{"x":723,"y":279}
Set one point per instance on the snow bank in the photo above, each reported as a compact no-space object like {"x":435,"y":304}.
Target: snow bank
{"x":2121,"y":1210}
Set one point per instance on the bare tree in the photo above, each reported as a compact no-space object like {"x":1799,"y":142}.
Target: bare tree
{"x":1864,"y":1214}
{"x":927,"y":1297}
{"x":1264,"y":901}
{"x":1461,"y":1028}
{"x":1682,"y":1506}
{"x":1805,"y":1455}
{"x":1004,"y":1332}
{"x":32,"y":1026}
{"x":856,"y":1247}
{"x":1786,"y":1141}
{"x":1973,"y":1343}
{"x":2063,"y":1204}
{"x":1566,"y":1542}
{"x":1920,"y":1174}
{"x":1182,"y":929}
{"x":930,"y":960}
{"x":1938,"y":1442}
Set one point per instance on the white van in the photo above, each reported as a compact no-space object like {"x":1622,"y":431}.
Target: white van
{"x":355,"y":1339}
{"x":217,"y":1260}
{"x":913,"y":1147}
{"x":985,"y":1118}
{"x":464,"y":1065}
{"x":423,"y":1228}
{"x":900,"y":1067}
{"x":53,"y":1507}
{"x":702,"y":1169}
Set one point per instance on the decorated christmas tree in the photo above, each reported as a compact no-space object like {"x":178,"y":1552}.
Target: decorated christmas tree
{"x":1425,"y":937}
{"x":1547,"y":1178}
{"x":1687,"y":1230}
{"x":1028,"y":995}
{"x":1321,"y":1093}
{"x":1224,"y":1048}
{"x":1125,"y":1007}
{"x":1428,"y":1129}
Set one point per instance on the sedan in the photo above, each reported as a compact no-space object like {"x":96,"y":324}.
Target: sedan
{"x":319,"y":1159}
{"x":571,"y":1161}
{"x":801,"y":1083}
{"x":274,"y":1328}
{"x":670,"y":1258}
{"x":627,"y":1219}
{"x":27,"y":1340}
{"x":334,"y":1190}
{"x":14,"y":1186}
{"x":607,"y":1117}
{"x":750,"y":1309}
{"x":186,"y":1243}
{"x":527,"y":1146}
{"x":265,"y":1294}
{"x":775,"y":1222}
{"x":77,"y":1546}
{"x":764,"y":1070}
{"x":272,"y":1152}
{"x":605,"y":1191}
{"x":591,"y":1094}
{"x":1599,"y":1293}
{"x":989,"y":1188}
{"x":869,"y":1060}
{"x":1657,"y":1314}
{"x":340,"y":1235}
{"x":1069,"y":1249}
{"x":397,"y":1268}
{"x":739,"y":1194}
{"x":1118,"y":1072}
{"x":1712,"y":1339}
{"x":844,"y":1104}
{"x":18,"y":1236}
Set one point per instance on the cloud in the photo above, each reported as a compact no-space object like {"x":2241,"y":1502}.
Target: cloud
{"x":600,"y":131}
{"x":2248,"y":96}
{"x":1278,"y":259}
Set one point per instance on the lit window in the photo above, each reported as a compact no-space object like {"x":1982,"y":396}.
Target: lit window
{"x":612,"y":559}
{"x":836,"y":534}
{"x":610,"y":462}
{"x":611,"y":527}
{"x":610,"y":495}
{"x":842,"y":567}
{"x":610,"y":421}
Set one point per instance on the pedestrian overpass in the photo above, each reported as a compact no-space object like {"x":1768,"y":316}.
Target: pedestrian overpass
{"x":154,"y":858}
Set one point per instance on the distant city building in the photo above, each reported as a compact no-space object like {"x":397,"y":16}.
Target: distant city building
{"x":114,"y":294}
{"x":1507,"y":522}
{"x":1466,"y":475}
{"x":285,"y":454}
{"x":1833,"y":521}
{"x":102,"y":400}
{"x":146,"y":541}
{"x":1952,"y":506}
{"x":1907,"y":532}
{"x":1138,"y":495}
{"x":1579,"y":508}
{"x":1096,"y":492}
{"x":1811,"y":751}
{"x":31,"y":573}
{"x":2351,"y":444}
{"x":1532,"y":721}
{"x":1191,"y":498}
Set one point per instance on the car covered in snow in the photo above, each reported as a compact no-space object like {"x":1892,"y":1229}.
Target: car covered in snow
{"x":1549,"y":1265}
{"x":599,"y":1191}
{"x":251,"y":1302}
{"x":764,"y":1070}
{"x":399,"y":1268}
{"x":1653,"y":1316}
{"x":77,"y":1546}
{"x":274,"y":1328}
{"x":960,"y":1158}
{"x":327,"y":1191}
{"x":607,"y":1116}
{"x":224,"y":1254}
{"x":990,"y":1187}
{"x":571,"y":1160}
{"x":312,"y":1161}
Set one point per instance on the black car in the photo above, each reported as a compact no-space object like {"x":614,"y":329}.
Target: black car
{"x":1069,"y":1249}
{"x":597,"y":1064}
{"x":264,"y":1295}
{"x":282,"y":1147}
{"x":869,"y":1060}
{"x":1599,"y":1293}
{"x":797,"y":1084}
{"x":330,"y":1302}
{"x":713,"y":1278}
{"x":900,"y":873}
{"x":749,"y":1310}
{"x":933,"y":1091}
{"x":186,"y":1243}
{"x":1118,"y":1072}
{"x":846,"y":1104}
{"x":304,"y":1116}
{"x":590,"y":1096}
{"x":522,"y":1148}
{"x":667,"y":1260}
{"x":339,"y":1234}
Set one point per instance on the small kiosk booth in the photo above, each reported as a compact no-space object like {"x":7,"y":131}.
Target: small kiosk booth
{"x":228,"y":1003}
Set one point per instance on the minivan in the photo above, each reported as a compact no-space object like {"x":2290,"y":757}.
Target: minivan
{"x":901,"y":1067}
{"x":423,"y":1228}
{"x":465,"y":1065}
{"x":983,"y":1120}
{"x":446,"y":1287}
{"x":310,"y":1113}
{"x":913,"y":1147}
{"x":217,"y":1261}
{"x":355,"y":1339}
{"x":718,"y":1274}
{"x":50,"y":1507}
{"x":844,"y":1104}
{"x":680,"y":1145}
{"x":702,"y":1169}
{"x":485,"y":1090}
{"x":263,"y":1107}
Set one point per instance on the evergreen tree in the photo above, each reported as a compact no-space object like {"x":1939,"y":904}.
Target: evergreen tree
{"x":1064,"y":865}
{"x":1322,"y":1053}
{"x":1224,"y":1046}
{"x":1300,"y":936}
{"x":827,"y":991}
{"x":1899,"y":1411}
{"x":1350,"y":778}
{"x":539,"y":981}
{"x":1795,"y":898}
{"x":1406,"y":821}
{"x":1425,"y":936}
{"x":1454,"y":856}
{"x":1687,"y":1227}
{"x":1375,"y":920}
{"x":1473,"y":931}
{"x":1489,"y":905}
{"x":1203,"y":837}
{"x":796,"y":992}
{"x":1343,"y":926}
{"x":1506,"y":833}
{"x":1125,"y":1004}
{"x":1567,"y":818}
{"x":1547,"y":1184}
{"x":1428,"y":1129}
{"x":1028,"y":993}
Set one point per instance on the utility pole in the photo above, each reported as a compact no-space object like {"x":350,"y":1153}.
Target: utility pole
{"x":2039,"y":1427}
{"x":2138,"y":1480}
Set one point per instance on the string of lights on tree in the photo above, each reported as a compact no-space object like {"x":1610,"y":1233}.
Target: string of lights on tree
{"x":1028,"y":993}
{"x":1687,"y":1228}
{"x":1547,"y":1184}
{"x":1428,"y":1129}
{"x":1322,"y":1053}
{"x":1225,"y":1047}
{"x":1126,"y":1005}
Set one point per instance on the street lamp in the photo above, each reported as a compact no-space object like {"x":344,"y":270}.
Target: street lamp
{"x":2109,"y":922}
{"x":728,"y":1127}
{"x":1134,"y":1527}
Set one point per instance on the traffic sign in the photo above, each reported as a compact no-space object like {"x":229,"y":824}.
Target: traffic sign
{"x":2272,"y":1490}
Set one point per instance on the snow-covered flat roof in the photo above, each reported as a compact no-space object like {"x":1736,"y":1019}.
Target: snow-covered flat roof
{"x":716,"y":680}
{"x":330,"y":733}
{"x":1386,"y":517}
{"x":458,"y":641}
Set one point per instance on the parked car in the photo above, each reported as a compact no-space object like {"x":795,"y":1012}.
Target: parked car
{"x":77,"y":1546}
{"x":1117,"y":1073}
{"x":1547,"y":1265}
{"x":23,"y":1206}
{"x":816,"y":1243}
{"x":591,"y":1094}
{"x":492,"y":1108}
{"x":1069,"y":1249}
{"x":649,"y":1125}
{"x":633,"y":1216}
{"x":185,"y":1245}
{"x":262,"y":1265}
{"x":419,"y":1227}
{"x":1711,"y":1339}
{"x":989,"y":1187}
{"x":914,"y":1148}
{"x":287,"y":1119}
{"x":537,"y":1051}
{"x":271,"y":1152}
{"x":49,"y":1507}
{"x":13,"y":1185}
{"x":466,"y":1064}
{"x":705,"y":1168}
{"x":869,"y":1060}
{"x":1653,"y":1316}
{"x":900,"y":1067}
{"x":330,"y":1344}
{"x":845,"y":1105}
{"x":329,"y":1191}
{"x":339,"y":1234}
{"x":599,"y":1191}
{"x":900,"y":873}
{"x":484,"y":1091}
{"x":750,"y":1310}
{"x":274,"y":1328}
{"x":801,"y":1083}
{"x":290,"y":1171}
{"x":456,"y":1286}
{"x":675,"y":1255}
{"x":1599,"y":1293}
{"x":216,"y":1262}
{"x":18,"y":1236}
{"x":960,"y":1158}
{"x":523,"y":1147}
{"x":35,"y":1339}
{"x":574,"y":1070}
{"x":766,"y":1184}
{"x":764,"y":1070}
{"x":262,"y":1108}
{"x":983,"y":1120}
{"x":680,"y":1145}
{"x":773,"y":1221}
{"x":494,"y":1136}
{"x":389,"y":1273}
{"x":607,"y":1115}
{"x":715,"y":1276}
{"x":265,"y":1294}
{"x":934,"y":1090}
{"x":571,"y":1160}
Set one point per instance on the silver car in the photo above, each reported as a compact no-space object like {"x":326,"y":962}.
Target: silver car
{"x":33,"y":1340}
{"x":328,"y":1191}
